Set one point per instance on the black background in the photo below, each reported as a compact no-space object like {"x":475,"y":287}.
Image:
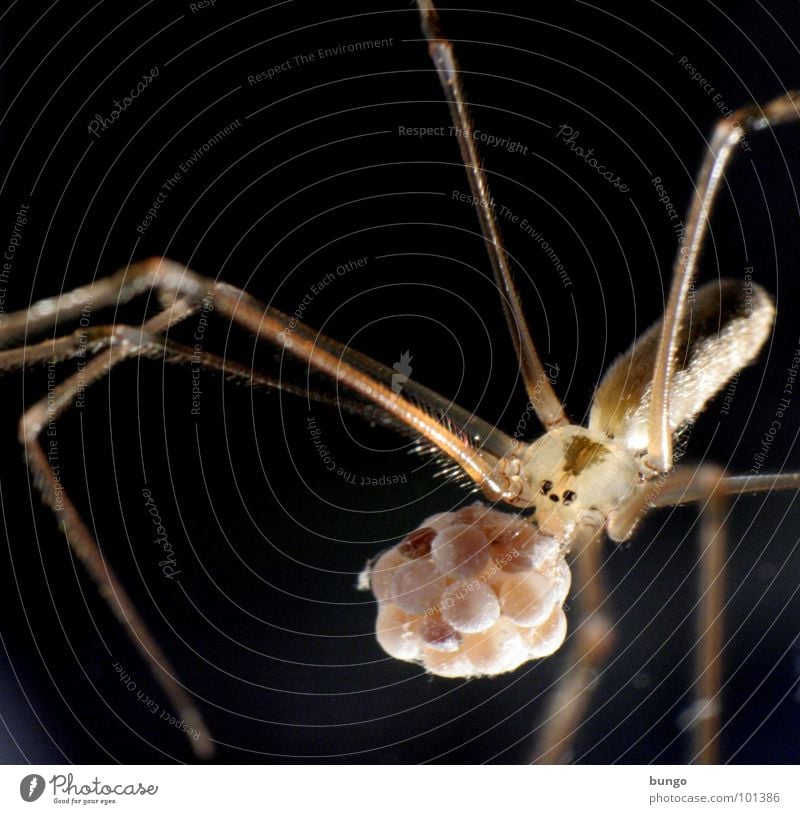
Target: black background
{"x":264,"y":624}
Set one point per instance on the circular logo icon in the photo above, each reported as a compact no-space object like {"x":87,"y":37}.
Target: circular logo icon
{"x":31,"y":787}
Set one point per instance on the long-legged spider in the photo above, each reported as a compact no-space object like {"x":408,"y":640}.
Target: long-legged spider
{"x":97,"y":338}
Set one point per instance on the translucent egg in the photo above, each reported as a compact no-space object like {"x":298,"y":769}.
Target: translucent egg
{"x":495,"y":523}
{"x":460,"y":551}
{"x":527,"y":598}
{"x":395,"y":633}
{"x":416,"y":586}
{"x":382,"y":573}
{"x":418,"y":543}
{"x":496,"y":650}
{"x":438,"y":634}
{"x":441,"y":521}
{"x":522,"y":547}
{"x":447,"y":665}
{"x":470,"y":606}
{"x":545,"y":639}
{"x":493,"y":576}
{"x":472,"y":514}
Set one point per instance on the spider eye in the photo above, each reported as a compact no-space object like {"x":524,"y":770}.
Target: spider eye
{"x":547,"y":485}
{"x":568,"y":497}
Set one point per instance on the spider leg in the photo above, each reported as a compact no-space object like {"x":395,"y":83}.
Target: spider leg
{"x":118,"y":342}
{"x":677,"y":489}
{"x":543,"y":398}
{"x":93,"y":340}
{"x":172,"y":280}
{"x":706,"y":484}
{"x":591,"y":644}
{"x":709,"y":658}
{"x":274,"y":327}
{"x":727,"y":134}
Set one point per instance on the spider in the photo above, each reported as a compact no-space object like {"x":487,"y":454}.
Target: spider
{"x":135,"y":343}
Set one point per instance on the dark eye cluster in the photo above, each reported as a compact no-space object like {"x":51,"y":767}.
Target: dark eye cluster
{"x":568,"y":496}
